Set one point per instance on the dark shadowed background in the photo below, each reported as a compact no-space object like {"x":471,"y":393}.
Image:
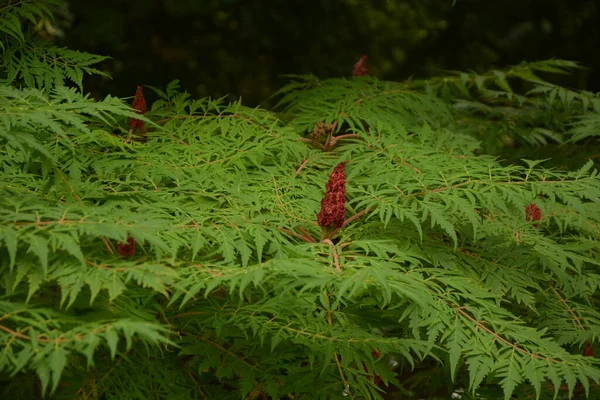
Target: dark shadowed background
{"x":242,"y":48}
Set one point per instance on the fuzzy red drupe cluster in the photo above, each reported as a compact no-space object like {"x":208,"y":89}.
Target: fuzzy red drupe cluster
{"x":127,"y":249}
{"x":532,"y":212}
{"x":139,"y":105}
{"x":333,"y":205}
{"x":360,"y":67}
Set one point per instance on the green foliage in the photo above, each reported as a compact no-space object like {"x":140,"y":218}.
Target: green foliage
{"x":14,"y":12}
{"x":586,"y":126}
{"x":511,"y":111}
{"x":32,"y":62}
{"x":516,"y":106}
{"x":437,"y":284}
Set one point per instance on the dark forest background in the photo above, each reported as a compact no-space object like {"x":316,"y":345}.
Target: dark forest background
{"x":242,"y":48}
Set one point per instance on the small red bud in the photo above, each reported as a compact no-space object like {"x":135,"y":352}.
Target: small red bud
{"x":127,"y":249}
{"x":588,"y":350}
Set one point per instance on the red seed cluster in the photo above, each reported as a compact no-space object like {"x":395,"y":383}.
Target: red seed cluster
{"x":333,"y":205}
{"x":532,"y":212}
{"x":139,"y":105}
{"x":127,"y":249}
{"x":360,"y":67}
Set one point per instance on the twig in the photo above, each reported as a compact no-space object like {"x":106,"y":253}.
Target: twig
{"x":571,"y":311}
{"x":297,"y":235}
{"x":25,"y":337}
{"x":356,"y":216}
{"x":109,"y":245}
{"x":187,"y":314}
{"x":336,"y":257}
{"x":301,"y":167}
{"x":15,"y":334}
{"x":306,"y":233}
{"x":339,"y":367}
{"x":336,"y":356}
{"x":223,"y":349}
{"x":498,"y":337}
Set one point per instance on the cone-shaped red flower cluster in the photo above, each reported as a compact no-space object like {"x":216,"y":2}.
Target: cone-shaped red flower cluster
{"x":139,"y":105}
{"x":360,"y":68}
{"x":127,"y":249}
{"x":333,"y":205}
{"x":532,"y":212}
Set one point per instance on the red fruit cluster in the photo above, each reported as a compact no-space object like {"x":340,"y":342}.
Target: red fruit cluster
{"x":127,"y":249}
{"x":588,"y":350}
{"x":360,"y":67}
{"x":333,"y":205}
{"x":376,"y":377}
{"x":139,"y":105}
{"x":532,"y":212}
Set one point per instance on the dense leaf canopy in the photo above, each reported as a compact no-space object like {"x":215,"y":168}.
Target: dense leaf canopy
{"x":171,"y":249}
